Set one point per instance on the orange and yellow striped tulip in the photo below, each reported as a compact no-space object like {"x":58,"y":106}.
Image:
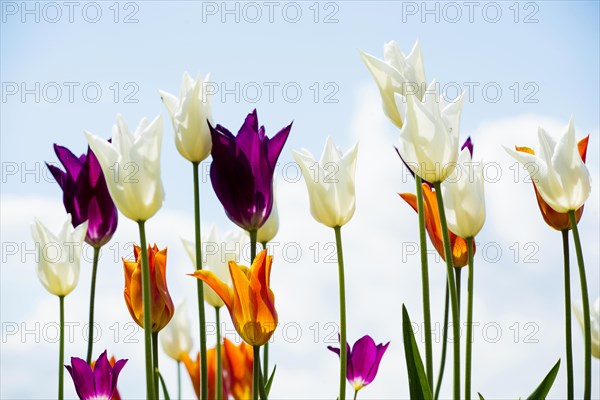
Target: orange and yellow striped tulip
{"x":434,"y":229}
{"x":238,"y":364}
{"x":556,"y":220}
{"x":193,"y":369}
{"x":250,"y":301}
{"x":160,"y":300}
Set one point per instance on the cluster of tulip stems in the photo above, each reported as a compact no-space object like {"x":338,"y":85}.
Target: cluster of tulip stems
{"x":449,"y":202}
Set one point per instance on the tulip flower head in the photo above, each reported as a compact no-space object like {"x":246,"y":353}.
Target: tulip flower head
{"x":556,"y":220}
{"x":242,"y":171}
{"x":429,"y":136}
{"x":595,"y":324}
{"x":559,"y":173}
{"x":330,"y":183}
{"x":59,"y":255}
{"x":218,"y":251}
{"x":99,"y":382}
{"x":397,"y":74}
{"x":267,"y":232}
{"x":250,"y":301}
{"x":131,"y":165}
{"x":238,"y":364}
{"x":85,"y":194}
{"x":193,"y":369}
{"x":189,"y":114}
{"x":176,"y":337}
{"x":464,"y":196}
{"x":162,"y":305}
{"x":362,"y":361}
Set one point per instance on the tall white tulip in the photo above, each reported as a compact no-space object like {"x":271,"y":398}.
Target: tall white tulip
{"x":397,"y":74}
{"x":464,"y":200}
{"x":559,"y":173}
{"x":59,"y":255}
{"x":217,"y":252}
{"x":595,"y":325}
{"x":176,"y":337}
{"x":189,"y":114}
{"x":429,"y":137}
{"x":267,"y":232}
{"x":131,"y":165}
{"x":330,"y":183}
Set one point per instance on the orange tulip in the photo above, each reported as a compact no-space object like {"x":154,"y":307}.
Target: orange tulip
{"x":193,"y":369}
{"x":162,"y":305}
{"x":556,"y":220}
{"x":434,"y":230}
{"x":250,"y":301}
{"x":238,"y":364}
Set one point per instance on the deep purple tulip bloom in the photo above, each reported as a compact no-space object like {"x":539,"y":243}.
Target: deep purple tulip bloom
{"x":362,"y":361}
{"x":97,"y":383}
{"x":242,"y":170}
{"x":85,"y":194}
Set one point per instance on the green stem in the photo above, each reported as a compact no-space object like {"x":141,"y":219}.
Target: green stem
{"x":92,"y":295}
{"x":150,"y":387}
{"x":61,"y":353}
{"x":219,"y":383}
{"x":256,"y":372}
{"x":438,"y":386}
{"x":451,"y":284}
{"x":179,"y":380}
{"x":200,"y":287}
{"x":342,"y":284}
{"x":266,"y":345}
{"x":355,"y":394}
{"x":568,"y":337}
{"x":253,"y":233}
{"x":587,"y":393}
{"x":425,"y":284}
{"x":469,"y":345}
{"x":457,"y":274}
{"x":155,"y":360}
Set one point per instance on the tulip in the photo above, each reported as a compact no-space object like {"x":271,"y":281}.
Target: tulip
{"x":176,"y":337}
{"x":250,"y":300}
{"x":238,"y":364}
{"x":162,"y":305}
{"x":464,"y":199}
{"x":363,"y":361}
{"x":556,"y":220}
{"x":559,"y":173}
{"x":429,"y":135}
{"x":189,"y":114}
{"x":330,"y":183}
{"x":218,"y":251}
{"x":193,"y":368}
{"x":397,"y":74}
{"x":267,"y":232}
{"x":131,"y":165}
{"x":242,"y":171}
{"x":85,"y":194}
{"x":59,"y":255}
{"x":595,"y":325}
{"x":98,"y":381}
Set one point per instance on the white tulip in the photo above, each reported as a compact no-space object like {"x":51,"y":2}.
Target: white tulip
{"x":267,"y":232}
{"x":464,"y":200}
{"x":189,"y":114}
{"x":176,"y":337}
{"x":131,"y":165}
{"x":330,"y":183}
{"x":397,"y":74}
{"x":429,"y":137}
{"x":216,"y":254}
{"x":59,"y":255}
{"x":594,"y":323}
{"x":559,"y":173}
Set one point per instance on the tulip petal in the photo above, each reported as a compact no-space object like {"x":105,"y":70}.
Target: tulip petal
{"x":222,"y":289}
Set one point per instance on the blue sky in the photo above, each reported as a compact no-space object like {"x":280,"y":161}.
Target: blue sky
{"x":546,"y":69}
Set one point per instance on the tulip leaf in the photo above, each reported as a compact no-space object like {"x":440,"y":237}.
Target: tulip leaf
{"x":164,"y":386}
{"x":480,"y":396}
{"x":417,"y":380}
{"x":542,"y":390}
{"x":270,"y":381}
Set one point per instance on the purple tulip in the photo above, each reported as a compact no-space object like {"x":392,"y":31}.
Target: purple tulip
{"x":85,"y":194}
{"x":97,"y":383}
{"x":468,"y":144}
{"x":242,"y":170}
{"x":362,"y":361}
